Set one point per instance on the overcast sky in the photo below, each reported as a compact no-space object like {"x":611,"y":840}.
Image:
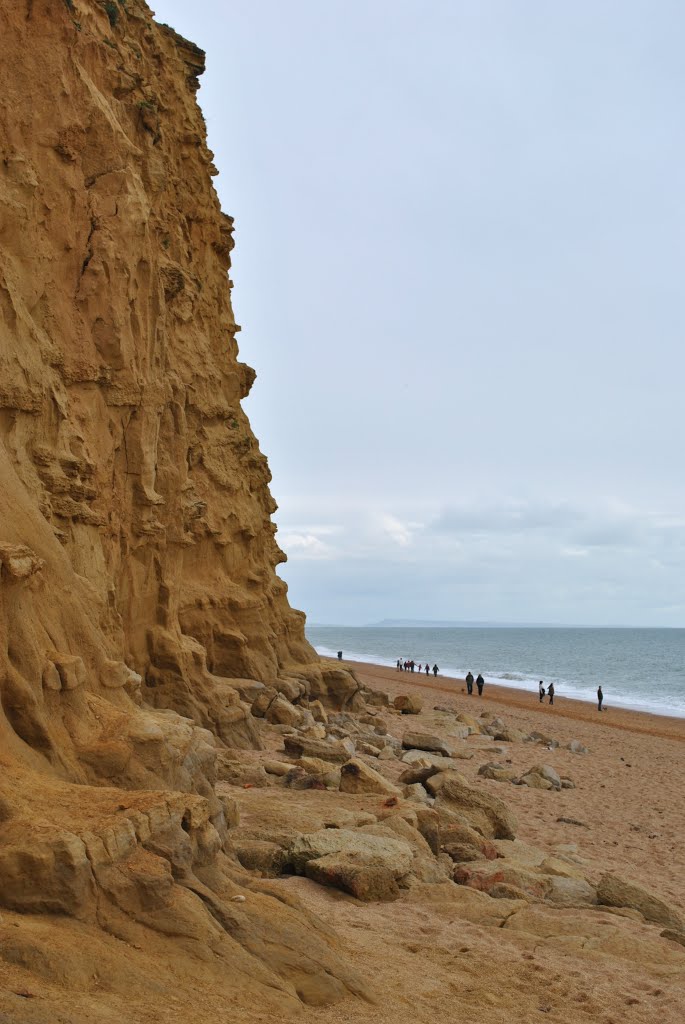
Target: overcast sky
{"x":459,"y":270}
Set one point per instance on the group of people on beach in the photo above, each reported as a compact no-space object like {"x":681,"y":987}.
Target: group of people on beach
{"x":405,"y":665}
{"x":479,"y":681}
{"x":409,"y":665}
{"x":550,"y":694}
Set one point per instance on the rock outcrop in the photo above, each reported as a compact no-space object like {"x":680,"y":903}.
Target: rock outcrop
{"x":140,"y":610}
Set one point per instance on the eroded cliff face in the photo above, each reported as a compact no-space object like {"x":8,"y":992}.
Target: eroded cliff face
{"x":138,"y":590}
{"x":128,"y":466}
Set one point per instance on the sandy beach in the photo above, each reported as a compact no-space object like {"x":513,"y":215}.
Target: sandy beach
{"x":663,"y":726}
{"x":435,"y":963}
{"x":629,"y":788}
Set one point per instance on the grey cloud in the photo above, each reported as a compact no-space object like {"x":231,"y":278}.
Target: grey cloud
{"x":505,"y":517}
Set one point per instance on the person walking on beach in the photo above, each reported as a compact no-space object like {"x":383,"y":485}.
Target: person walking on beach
{"x":550,"y":692}
{"x":480,"y":683}
{"x":541,"y":691}
{"x":600,"y":698}
{"x":428,"y":671}
{"x":435,"y":670}
{"x":469,"y":683}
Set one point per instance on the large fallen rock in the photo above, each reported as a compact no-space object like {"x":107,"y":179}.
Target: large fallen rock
{"x":472,"y":724}
{"x":240,"y":773}
{"x":541,"y":776}
{"x":425,"y":741}
{"x":337,"y":688}
{"x":417,"y":794}
{"x":404,"y":825}
{"x":367,"y":866}
{"x":504,"y":880}
{"x":426,"y":759}
{"x":497,"y":772}
{"x":368,"y":880}
{"x":393,"y":853}
{"x":336,"y":752}
{"x":281,"y":712}
{"x":462,"y":843}
{"x":510,"y":735}
{"x":408,"y":704}
{"x":474,"y":807}
{"x":323,"y":771}
{"x":357,"y":777}
{"x":413,"y":775}
{"x":269,"y":859}
{"x":278,"y":768}
{"x":613,"y":891}
{"x":428,"y":824}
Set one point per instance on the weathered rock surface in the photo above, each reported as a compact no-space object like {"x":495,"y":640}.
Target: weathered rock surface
{"x":498,"y":772}
{"x":425,"y":741}
{"x":269,"y":859}
{"x":408,"y":703}
{"x":613,"y":891}
{"x":476,"y":808}
{"x":357,"y":777}
{"x":365,"y":865}
{"x":509,"y":880}
{"x":541,"y":776}
{"x":140,"y":610}
{"x":336,"y":752}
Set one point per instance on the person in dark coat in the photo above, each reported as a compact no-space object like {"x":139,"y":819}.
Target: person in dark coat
{"x":428,"y":671}
{"x":469,"y":683}
{"x":542,"y":691}
{"x":550,"y":693}
{"x":480,"y":683}
{"x":600,"y":698}
{"x":435,"y":670}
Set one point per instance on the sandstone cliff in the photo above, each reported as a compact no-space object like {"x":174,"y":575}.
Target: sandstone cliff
{"x":138,"y":593}
{"x":199,"y":820}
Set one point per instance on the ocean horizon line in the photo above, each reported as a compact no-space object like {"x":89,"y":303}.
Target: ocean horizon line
{"x":477,"y":624}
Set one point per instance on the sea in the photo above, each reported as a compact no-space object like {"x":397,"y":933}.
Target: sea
{"x":642,"y":669}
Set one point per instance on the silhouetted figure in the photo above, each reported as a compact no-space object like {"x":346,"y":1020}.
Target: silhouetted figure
{"x":600,"y":698}
{"x":469,"y":683}
{"x":435,"y":670}
{"x":480,"y":683}
{"x":399,"y":665}
{"x":550,"y":693}
{"x":542,"y":691}
{"x":411,"y":665}
{"x":339,"y":655}
{"x":428,"y":671}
